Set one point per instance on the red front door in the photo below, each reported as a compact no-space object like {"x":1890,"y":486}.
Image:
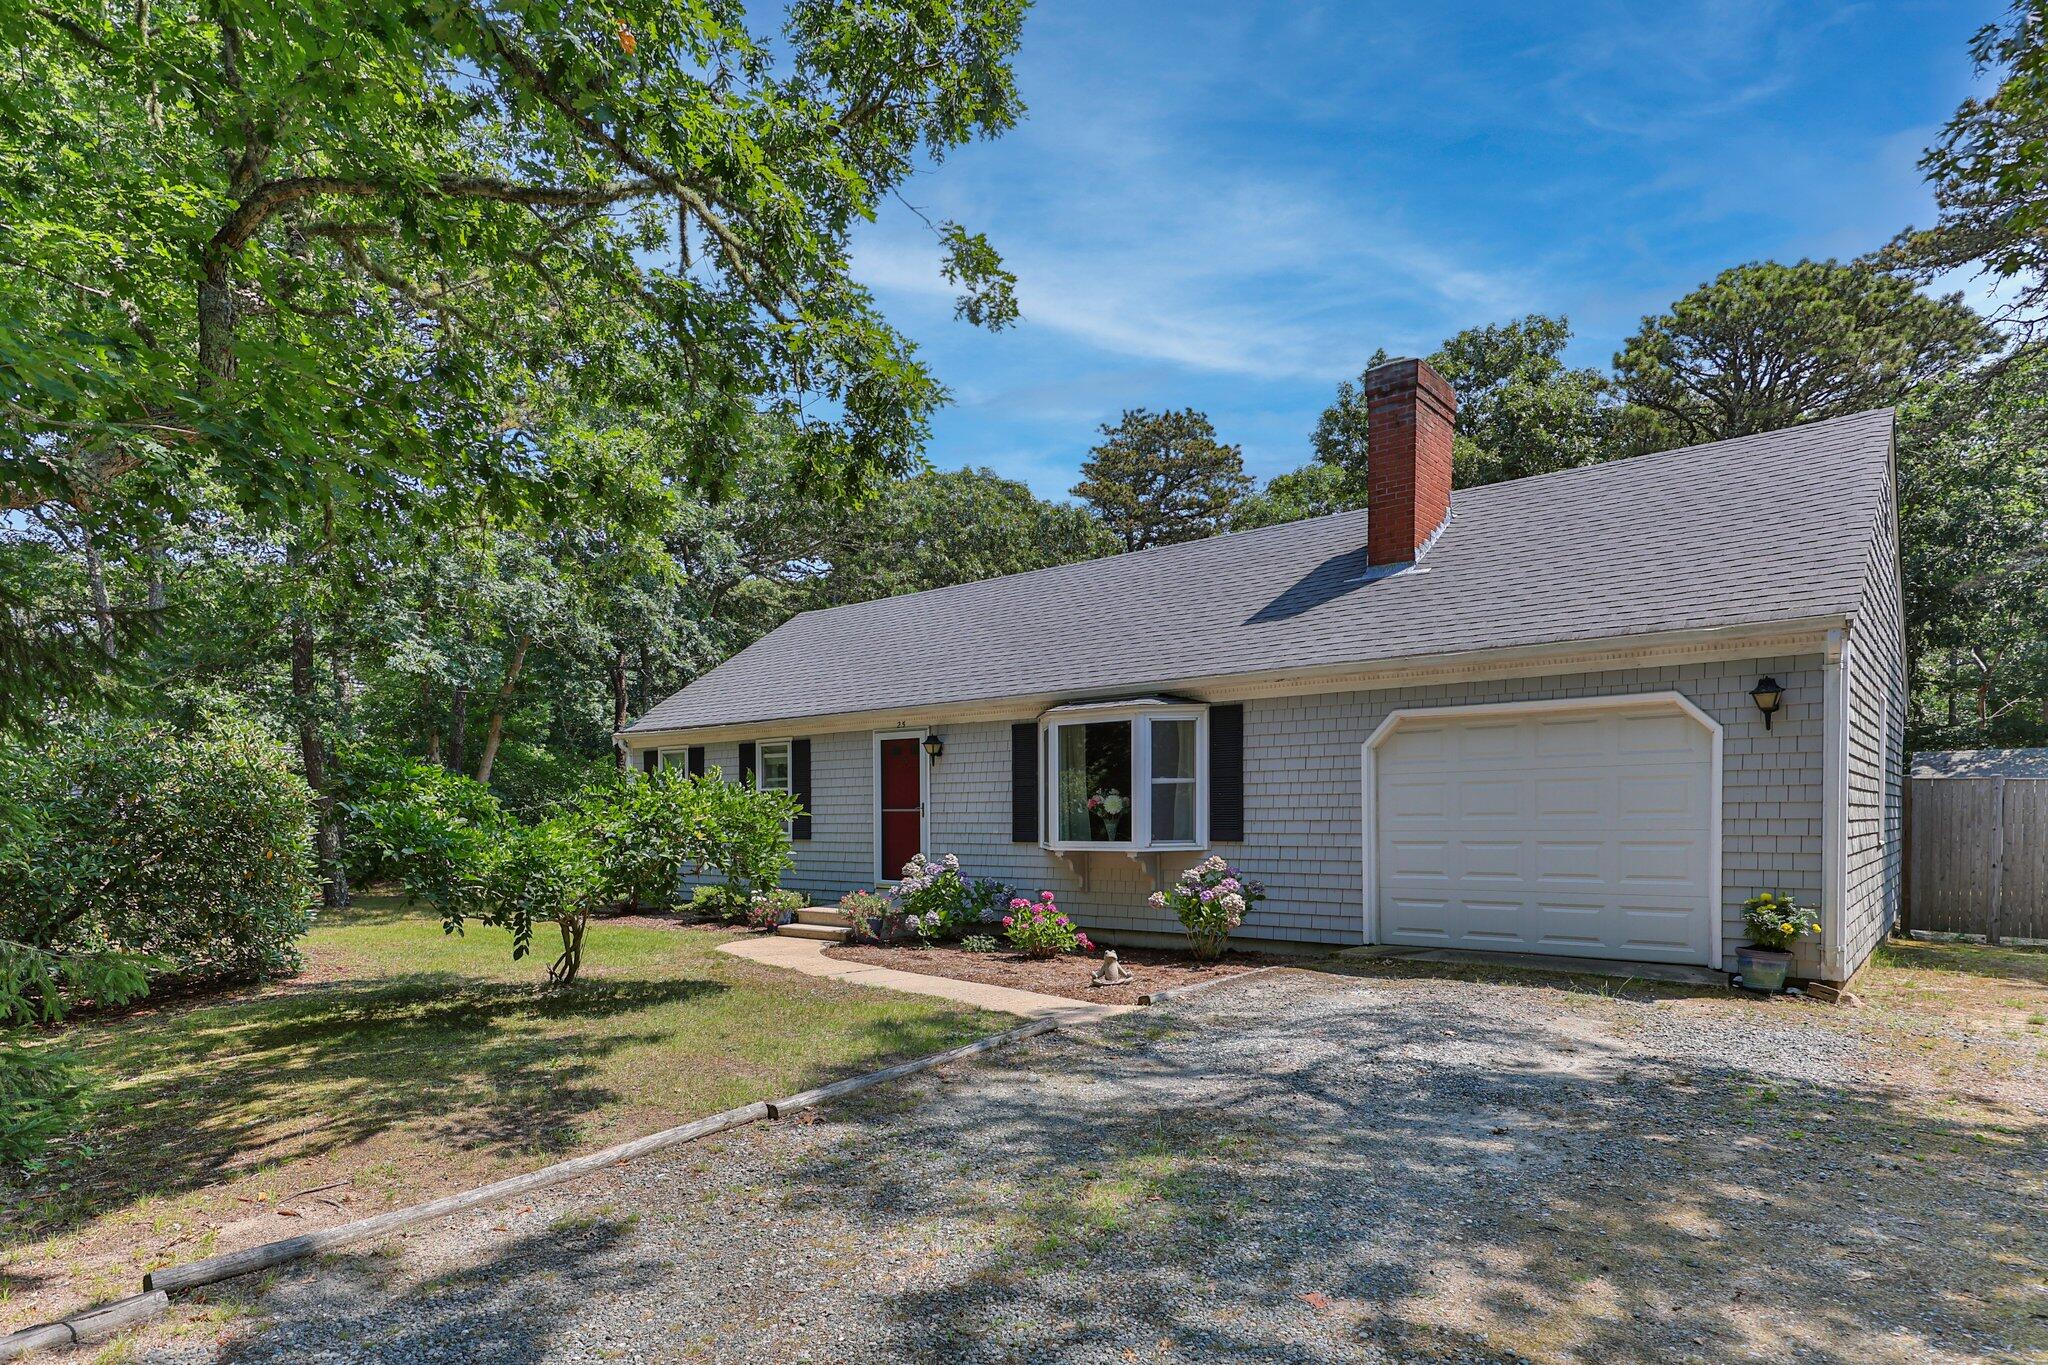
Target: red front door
{"x":902,"y":805}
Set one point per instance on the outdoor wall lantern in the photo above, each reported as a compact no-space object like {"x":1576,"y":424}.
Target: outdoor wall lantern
{"x":1768,"y":696}
{"x":933,"y":747}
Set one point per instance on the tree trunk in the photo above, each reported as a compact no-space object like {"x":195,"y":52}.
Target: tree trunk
{"x":96,"y":584}
{"x":313,"y":757}
{"x":458,"y":727}
{"x":619,"y":708}
{"x":495,"y":734}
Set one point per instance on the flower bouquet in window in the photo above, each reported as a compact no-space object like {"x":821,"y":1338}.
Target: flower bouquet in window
{"x":1108,"y":806}
{"x":1210,"y":900}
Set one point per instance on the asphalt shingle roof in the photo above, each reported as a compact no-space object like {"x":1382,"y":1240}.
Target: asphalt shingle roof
{"x":1748,"y":531}
{"x":2030,"y":763}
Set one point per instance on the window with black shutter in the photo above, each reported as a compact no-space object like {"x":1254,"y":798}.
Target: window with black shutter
{"x":1024,"y":783}
{"x":800,"y":786}
{"x":1226,"y":773}
{"x":696,"y":760}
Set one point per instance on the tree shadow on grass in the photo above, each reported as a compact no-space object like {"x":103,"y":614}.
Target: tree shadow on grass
{"x":216,"y":1090}
{"x":1416,"y":1178}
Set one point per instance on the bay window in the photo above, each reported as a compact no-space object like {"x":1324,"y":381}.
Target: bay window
{"x":1129,"y":775}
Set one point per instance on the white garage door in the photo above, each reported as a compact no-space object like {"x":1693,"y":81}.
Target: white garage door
{"x":1584,"y":833}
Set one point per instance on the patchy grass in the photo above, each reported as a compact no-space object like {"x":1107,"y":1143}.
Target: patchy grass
{"x":404,"y":1064}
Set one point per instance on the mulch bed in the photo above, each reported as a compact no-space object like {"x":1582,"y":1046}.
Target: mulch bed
{"x":1151,"y":969}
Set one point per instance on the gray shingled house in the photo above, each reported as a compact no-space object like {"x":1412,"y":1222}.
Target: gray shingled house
{"x":1586,"y":713}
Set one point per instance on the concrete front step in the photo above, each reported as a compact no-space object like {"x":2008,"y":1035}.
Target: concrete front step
{"x":831,"y":932}
{"x":817,"y":915}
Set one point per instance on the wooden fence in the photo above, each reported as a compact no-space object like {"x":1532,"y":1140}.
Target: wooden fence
{"x":1977,"y":856}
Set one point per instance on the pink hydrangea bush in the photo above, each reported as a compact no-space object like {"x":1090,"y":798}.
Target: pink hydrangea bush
{"x":1041,"y":929}
{"x":1210,"y":900}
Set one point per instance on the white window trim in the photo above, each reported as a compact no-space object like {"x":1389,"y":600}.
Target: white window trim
{"x":1141,"y":776}
{"x":885,"y":876}
{"x":1622,"y":701}
{"x":788,"y":747}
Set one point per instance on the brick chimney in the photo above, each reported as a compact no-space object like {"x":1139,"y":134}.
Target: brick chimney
{"x":1410,"y":412}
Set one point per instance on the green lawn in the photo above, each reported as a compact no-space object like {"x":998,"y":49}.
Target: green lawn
{"x":406,"y":1064}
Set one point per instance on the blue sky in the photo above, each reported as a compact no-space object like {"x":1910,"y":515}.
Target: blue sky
{"x":1230,"y":205}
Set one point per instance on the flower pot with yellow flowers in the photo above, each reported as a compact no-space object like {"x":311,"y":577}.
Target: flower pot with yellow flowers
{"x":1775,"y":922}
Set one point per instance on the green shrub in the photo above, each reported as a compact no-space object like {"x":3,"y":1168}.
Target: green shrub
{"x":550,"y":873}
{"x":649,"y":830}
{"x":193,"y":851}
{"x":719,"y":902}
{"x":126,"y":851}
{"x":742,"y":833}
{"x":433,"y":830}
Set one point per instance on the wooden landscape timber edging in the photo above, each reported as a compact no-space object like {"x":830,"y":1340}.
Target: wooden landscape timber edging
{"x":1178,"y":992}
{"x":82,"y":1329}
{"x":96,"y":1324}
{"x":789,"y":1104}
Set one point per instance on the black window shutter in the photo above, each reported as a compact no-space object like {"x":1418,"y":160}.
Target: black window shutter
{"x":650,"y":759}
{"x":745,"y":776}
{"x":1024,"y":782}
{"x":800,"y":786}
{"x":696,"y":760}
{"x":1226,"y":773}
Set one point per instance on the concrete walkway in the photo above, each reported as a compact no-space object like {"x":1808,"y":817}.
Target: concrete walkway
{"x":808,"y":956}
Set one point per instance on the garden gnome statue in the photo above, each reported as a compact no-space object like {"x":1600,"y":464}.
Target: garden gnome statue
{"x":1110,"y":973}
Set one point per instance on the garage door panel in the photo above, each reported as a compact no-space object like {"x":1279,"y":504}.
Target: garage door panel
{"x":1579,"y":861}
{"x":1493,"y":861}
{"x":1418,"y":919}
{"x":1587,"y":834}
{"x":1491,"y":798}
{"x":1410,"y":859}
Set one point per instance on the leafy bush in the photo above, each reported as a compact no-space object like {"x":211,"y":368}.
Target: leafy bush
{"x":1041,"y":929}
{"x":767,"y":909}
{"x":433,"y":830}
{"x":719,"y":902}
{"x":550,"y":873}
{"x":370,"y":782}
{"x":742,"y":833}
{"x":649,"y":830}
{"x":1775,"y":922}
{"x":981,"y":943}
{"x":940,"y":904}
{"x":193,"y":851}
{"x":128,"y":850}
{"x":1210,"y":899}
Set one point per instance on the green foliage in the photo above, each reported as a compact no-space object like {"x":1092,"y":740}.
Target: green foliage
{"x":1161,"y":477}
{"x":42,"y":1096}
{"x":650,"y":829}
{"x":1521,"y":409}
{"x":330,"y":255}
{"x":1973,"y":504}
{"x":937,"y":528}
{"x":1988,"y":169}
{"x":1776,"y":921}
{"x":191,"y":850}
{"x":981,"y":943}
{"x":433,"y":829}
{"x":719,"y":902}
{"x":742,"y":833}
{"x":1765,"y":346}
{"x":1314,"y":490}
{"x":549,"y":873}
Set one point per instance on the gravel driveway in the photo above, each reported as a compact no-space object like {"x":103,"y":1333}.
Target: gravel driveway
{"x":1304,"y":1166}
